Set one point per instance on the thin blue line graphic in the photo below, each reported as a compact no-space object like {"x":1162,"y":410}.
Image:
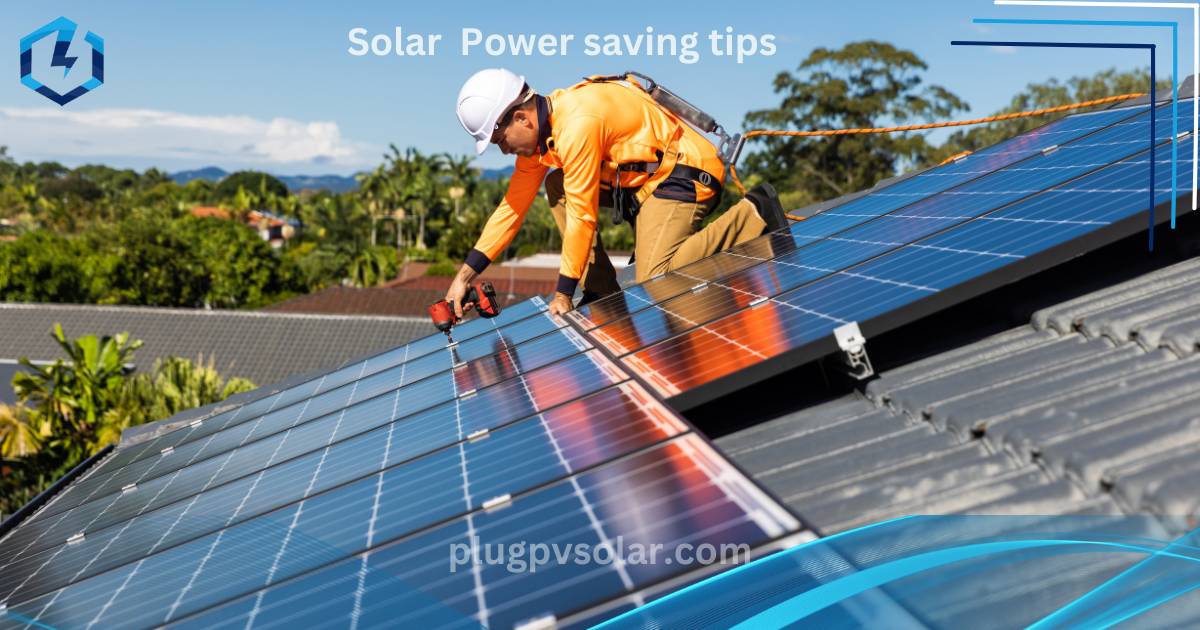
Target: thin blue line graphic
{"x":756,"y":563}
{"x":1174,"y":77}
{"x":1118,"y":584}
{"x":1153,"y":91}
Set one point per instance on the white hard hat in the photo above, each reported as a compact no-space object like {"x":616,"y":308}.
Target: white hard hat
{"x":483,"y":99}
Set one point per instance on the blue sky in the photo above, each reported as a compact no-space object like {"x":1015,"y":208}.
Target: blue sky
{"x":271,"y":85}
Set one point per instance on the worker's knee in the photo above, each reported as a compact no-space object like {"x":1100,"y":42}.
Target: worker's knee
{"x":554,"y":187}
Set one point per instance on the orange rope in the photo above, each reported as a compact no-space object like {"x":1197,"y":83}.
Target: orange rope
{"x":957,"y":123}
{"x":952,"y":158}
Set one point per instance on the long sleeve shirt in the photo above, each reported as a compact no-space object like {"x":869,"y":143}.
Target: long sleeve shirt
{"x":586,"y":131}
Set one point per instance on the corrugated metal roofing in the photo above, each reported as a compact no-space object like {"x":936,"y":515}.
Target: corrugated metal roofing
{"x":263,"y":347}
{"x":1092,"y":408}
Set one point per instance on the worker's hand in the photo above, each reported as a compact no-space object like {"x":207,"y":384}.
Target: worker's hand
{"x":560,"y":304}
{"x":458,"y":290}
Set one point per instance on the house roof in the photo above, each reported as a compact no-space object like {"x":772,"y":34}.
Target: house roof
{"x":402,"y":301}
{"x":263,"y":347}
{"x":1089,"y":408}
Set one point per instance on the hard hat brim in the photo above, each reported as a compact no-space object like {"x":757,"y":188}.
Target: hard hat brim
{"x":482,"y":145}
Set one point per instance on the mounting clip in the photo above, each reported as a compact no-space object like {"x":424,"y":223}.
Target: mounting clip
{"x":854,"y":351}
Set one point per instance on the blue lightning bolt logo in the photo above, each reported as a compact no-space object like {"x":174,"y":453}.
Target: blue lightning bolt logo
{"x":64,"y":31}
{"x":61,"y":47}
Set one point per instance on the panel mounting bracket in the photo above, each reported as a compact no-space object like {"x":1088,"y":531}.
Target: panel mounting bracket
{"x":854,"y":351}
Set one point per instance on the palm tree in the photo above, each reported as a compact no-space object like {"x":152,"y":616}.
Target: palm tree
{"x":70,"y":397}
{"x":462,"y":178}
{"x":18,"y":432}
{"x":377,"y":189}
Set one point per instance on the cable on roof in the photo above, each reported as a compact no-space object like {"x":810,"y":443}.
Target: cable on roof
{"x":954,"y":123}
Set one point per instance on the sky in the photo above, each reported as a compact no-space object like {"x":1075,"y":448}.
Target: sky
{"x":273,"y":85}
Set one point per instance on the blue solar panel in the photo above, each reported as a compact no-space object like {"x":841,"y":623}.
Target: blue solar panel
{"x":316,"y":475}
{"x":410,"y":583}
{"x":321,"y":384}
{"x":860,"y":276}
{"x":250,"y":423}
{"x":838,"y":239}
{"x":887,"y":199}
{"x":203,"y":468}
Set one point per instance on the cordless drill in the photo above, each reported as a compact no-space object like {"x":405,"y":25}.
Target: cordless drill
{"x":482,"y":295}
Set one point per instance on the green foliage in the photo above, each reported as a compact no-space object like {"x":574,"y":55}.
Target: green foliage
{"x":253,"y":182}
{"x":71,"y":408}
{"x":1109,"y":82}
{"x":242,"y":269}
{"x":99,"y":234}
{"x":863,"y":84}
{"x":146,"y":261}
{"x":174,"y":385}
{"x":71,"y":397}
{"x":373,"y":266}
{"x":444,"y":268}
{"x":43,"y":267}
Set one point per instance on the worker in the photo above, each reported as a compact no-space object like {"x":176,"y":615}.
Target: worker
{"x":610,"y":144}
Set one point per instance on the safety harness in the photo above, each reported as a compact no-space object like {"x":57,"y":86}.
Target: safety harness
{"x":669,"y":179}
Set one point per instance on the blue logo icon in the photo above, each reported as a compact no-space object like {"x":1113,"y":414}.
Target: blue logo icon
{"x":62,"y":44}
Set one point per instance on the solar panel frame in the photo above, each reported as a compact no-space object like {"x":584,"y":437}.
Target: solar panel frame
{"x":62,"y":528}
{"x":710,"y":301}
{"x":204,"y":618}
{"x":416,"y":349}
{"x":112,"y":483}
{"x":937,"y":301}
{"x":581,"y":349}
{"x":719,"y":266}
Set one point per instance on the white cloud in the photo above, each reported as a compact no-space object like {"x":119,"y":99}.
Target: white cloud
{"x":176,"y":138}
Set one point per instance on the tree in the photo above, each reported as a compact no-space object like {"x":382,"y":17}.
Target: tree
{"x":1051,"y":93}
{"x":242,"y":269}
{"x":252,"y":182}
{"x":42,"y":267}
{"x":173,"y":385}
{"x":373,"y":266}
{"x":71,"y":398}
{"x":863,"y":84}
{"x":146,"y":261}
{"x":71,"y":408}
{"x":378,"y":194}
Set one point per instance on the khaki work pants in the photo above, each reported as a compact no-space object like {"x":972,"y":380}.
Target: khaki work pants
{"x":666,"y":236}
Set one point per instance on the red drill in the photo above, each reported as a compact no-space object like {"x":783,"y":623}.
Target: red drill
{"x":482,"y":295}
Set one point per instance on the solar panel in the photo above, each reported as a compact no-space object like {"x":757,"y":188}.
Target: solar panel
{"x":894,"y":267}
{"x":673,"y":494}
{"x":945,"y":177}
{"x":402,"y":446}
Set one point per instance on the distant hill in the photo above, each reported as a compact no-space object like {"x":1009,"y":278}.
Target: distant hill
{"x":497,"y":173}
{"x":296,"y":183}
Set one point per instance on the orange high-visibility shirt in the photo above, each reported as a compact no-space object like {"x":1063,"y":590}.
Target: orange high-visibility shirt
{"x":593,"y":126}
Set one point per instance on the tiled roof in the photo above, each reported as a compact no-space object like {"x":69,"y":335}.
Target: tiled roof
{"x":383,"y":301}
{"x":1091,"y":408}
{"x":264,"y":347}
{"x":504,"y":286}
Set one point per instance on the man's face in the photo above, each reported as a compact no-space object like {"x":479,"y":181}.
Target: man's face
{"x":518,"y":133}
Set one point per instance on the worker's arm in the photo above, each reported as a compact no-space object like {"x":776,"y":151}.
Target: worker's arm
{"x":580,"y":148}
{"x":501,"y":227}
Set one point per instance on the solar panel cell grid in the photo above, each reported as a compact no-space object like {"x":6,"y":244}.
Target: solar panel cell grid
{"x":904,"y":275}
{"x":412,"y":581}
{"x":338,"y":378}
{"x":479,"y":373}
{"x":398,"y":500}
{"x":816,"y":254}
{"x":897,"y":195}
{"x":488,"y":408}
